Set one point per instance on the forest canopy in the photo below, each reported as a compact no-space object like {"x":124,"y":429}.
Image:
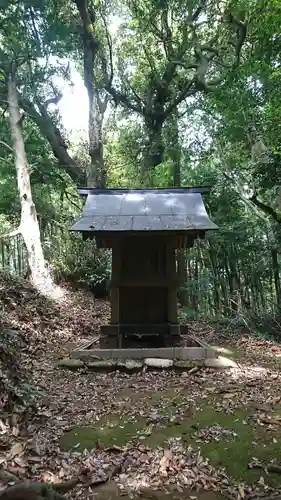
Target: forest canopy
{"x":180,"y":93}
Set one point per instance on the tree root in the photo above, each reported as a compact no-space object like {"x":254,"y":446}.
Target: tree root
{"x":28,"y":490}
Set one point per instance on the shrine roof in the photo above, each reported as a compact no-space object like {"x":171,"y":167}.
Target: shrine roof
{"x":161,"y":209}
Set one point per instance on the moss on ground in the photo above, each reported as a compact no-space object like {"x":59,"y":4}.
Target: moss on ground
{"x":108,"y":431}
{"x":233,"y":452}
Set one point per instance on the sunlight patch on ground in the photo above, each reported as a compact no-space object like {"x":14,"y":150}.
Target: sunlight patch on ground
{"x":56,"y":293}
{"x":223,"y":350}
{"x":246,"y":371}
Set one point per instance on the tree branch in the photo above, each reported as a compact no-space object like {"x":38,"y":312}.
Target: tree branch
{"x":187,"y":91}
{"x":36,"y":35}
{"x":53,"y":136}
{"x":69,"y":197}
{"x":253,"y":202}
{"x":198,"y":11}
{"x":265,"y":208}
{"x":185,"y":65}
{"x":120,"y":98}
{"x":241,"y":28}
{"x":7,"y":146}
{"x":53,"y":100}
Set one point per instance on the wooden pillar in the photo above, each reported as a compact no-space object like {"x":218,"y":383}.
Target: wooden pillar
{"x":172,"y":287}
{"x":115,"y":278}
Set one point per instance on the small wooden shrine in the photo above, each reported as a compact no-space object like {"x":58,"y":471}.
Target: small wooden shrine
{"x":144,"y":228}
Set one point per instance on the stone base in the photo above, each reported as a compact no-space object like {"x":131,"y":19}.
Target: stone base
{"x":175,"y":353}
{"x":135,"y":336}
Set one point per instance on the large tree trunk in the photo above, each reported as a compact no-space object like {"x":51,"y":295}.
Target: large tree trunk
{"x":173,"y":149}
{"x":29,"y":227}
{"x":96,"y":176}
{"x":275,"y":267}
{"x":154,"y":151}
{"x":174,"y":154}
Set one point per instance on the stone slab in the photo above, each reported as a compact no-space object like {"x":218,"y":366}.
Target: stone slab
{"x":103,"y":364}
{"x":70,"y":363}
{"x":138,"y":353}
{"x":183,"y":353}
{"x":187,"y":364}
{"x":158,"y":362}
{"x":130,"y":365}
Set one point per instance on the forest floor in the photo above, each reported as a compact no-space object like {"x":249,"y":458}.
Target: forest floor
{"x":202,"y":434}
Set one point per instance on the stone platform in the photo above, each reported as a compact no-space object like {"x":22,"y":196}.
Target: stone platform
{"x":194,"y":350}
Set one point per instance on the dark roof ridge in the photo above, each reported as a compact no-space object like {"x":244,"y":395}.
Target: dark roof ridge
{"x":162,"y":190}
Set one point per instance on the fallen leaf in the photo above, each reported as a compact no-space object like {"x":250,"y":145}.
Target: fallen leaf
{"x":262,"y":407}
{"x":20,"y":461}
{"x":48,"y":477}
{"x":270,"y":421}
{"x":165,"y":462}
{"x":17,"y":449}
{"x":193,"y":370}
{"x":3,"y":428}
{"x":229,"y":395}
{"x":61,"y":473}
{"x":18,"y":471}
{"x":35,"y":460}
{"x":241,"y":491}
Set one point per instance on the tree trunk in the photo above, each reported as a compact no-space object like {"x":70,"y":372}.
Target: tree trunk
{"x":174,"y":154}
{"x":275,"y":267}
{"x":212,"y":257}
{"x":29,"y":227}
{"x":173,"y":149}
{"x":154,"y":152}
{"x":233,"y":282}
{"x":96,"y":176}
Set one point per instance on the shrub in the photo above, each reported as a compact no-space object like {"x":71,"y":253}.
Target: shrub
{"x":80,"y":261}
